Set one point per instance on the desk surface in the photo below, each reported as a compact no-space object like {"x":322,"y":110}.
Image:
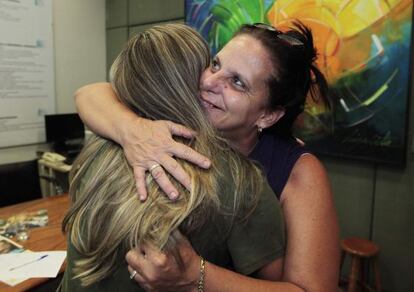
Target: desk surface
{"x":49,"y":237}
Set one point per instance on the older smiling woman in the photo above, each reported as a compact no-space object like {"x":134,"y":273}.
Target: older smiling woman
{"x":252,"y":92}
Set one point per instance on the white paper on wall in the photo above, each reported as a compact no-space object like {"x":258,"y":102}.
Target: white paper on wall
{"x":27,"y":89}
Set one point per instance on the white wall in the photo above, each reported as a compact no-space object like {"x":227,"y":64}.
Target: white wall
{"x":80,"y":50}
{"x":80,"y":58}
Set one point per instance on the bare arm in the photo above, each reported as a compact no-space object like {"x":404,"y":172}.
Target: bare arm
{"x":146,"y":143}
{"x":312,"y":255}
{"x":157,"y":271}
{"x":220,"y":279}
{"x":311,"y":262}
{"x":99,"y":108}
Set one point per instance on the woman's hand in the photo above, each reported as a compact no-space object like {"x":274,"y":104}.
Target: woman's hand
{"x":149,"y":145}
{"x":146,"y":143}
{"x":158,"y":271}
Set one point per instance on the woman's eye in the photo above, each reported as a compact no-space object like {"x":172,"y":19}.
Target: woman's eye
{"x":238,"y":82}
{"x":215,"y":65}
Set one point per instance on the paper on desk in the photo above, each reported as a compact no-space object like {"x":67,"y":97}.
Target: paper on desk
{"x":27,"y":265}
{"x":13,"y":282}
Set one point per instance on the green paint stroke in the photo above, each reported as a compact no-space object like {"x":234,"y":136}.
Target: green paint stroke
{"x":230,"y":15}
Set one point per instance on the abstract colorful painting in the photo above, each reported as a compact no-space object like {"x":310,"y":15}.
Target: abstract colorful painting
{"x":364,"y":51}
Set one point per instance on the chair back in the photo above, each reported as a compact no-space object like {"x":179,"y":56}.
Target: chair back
{"x":19,"y":182}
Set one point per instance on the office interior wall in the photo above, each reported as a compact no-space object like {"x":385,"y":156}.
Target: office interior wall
{"x":125,"y":18}
{"x":80,"y":58}
{"x":80,"y":53}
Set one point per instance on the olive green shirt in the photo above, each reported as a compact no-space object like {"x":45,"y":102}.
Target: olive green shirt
{"x":242,"y":246}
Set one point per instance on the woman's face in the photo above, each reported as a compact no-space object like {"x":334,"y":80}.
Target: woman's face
{"x":234,"y":88}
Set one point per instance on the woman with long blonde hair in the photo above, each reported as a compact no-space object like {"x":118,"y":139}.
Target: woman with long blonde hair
{"x":226,"y":211}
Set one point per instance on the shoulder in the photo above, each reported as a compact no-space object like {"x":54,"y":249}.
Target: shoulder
{"x":308,"y":167}
{"x":307,"y":175}
{"x":307,"y":200}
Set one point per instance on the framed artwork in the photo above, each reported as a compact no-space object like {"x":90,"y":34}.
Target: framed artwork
{"x":364,"y":50}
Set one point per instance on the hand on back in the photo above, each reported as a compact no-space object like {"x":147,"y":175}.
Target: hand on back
{"x":149,"y":146}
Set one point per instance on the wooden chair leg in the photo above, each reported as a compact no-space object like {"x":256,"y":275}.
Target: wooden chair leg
{"x":353,"y":278}
{"x":377,"y":275}
{"x":343,"y":254}
{"x":363,"y":270}
{"x":342,"y":279}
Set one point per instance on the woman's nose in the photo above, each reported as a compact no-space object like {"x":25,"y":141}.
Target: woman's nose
{"x":212,"y":81}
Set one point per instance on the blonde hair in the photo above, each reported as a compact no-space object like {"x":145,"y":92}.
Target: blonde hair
{"x":157,"y":76}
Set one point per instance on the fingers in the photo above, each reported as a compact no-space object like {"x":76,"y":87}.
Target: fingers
{"x":180,"y":130}
{"x":133,"y":258}
{"x":138,"y":278}
{"x":142,"y":155}
{"x":153,"y":253}
{"x":143,"y":282}
{"x":145,"y":260}
{"x":139,"y":174}
{"x":176,"y":170}
{"x":171,"y":166}
{"x":163,"y":181}
{"x":189,"y":154}
{"x":160,"y":177}
{"x":183,"y":151}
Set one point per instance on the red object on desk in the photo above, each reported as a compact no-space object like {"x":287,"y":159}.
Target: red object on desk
{"x":45,"y":238}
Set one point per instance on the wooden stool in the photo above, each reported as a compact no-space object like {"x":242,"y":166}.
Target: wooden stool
{"x":360,"y":250}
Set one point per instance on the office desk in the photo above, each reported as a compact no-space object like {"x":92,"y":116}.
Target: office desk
{"x":49,"y":237}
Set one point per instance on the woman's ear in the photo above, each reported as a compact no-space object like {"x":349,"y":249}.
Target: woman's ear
{"x":270,"y":117}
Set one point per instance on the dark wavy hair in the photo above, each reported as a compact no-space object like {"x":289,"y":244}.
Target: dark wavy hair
{"x":295,"y":73}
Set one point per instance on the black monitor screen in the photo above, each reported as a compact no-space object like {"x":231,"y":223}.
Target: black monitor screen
{"x":63,"y":127}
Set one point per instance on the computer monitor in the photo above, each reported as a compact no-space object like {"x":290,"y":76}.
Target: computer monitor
{"x":61,"y":129}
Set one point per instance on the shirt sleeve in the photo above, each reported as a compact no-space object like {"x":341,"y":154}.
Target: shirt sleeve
{"x":260,"y":239}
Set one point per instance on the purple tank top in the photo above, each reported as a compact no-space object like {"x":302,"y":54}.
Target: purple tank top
{"x":277,"y":155}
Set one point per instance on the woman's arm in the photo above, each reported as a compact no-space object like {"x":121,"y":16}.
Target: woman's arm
{"x":312,"y":254}
{"x":157,"y":271}
{"x":99,"y":108}
{"x":311,"y":262}
{"x":146,"y":143}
